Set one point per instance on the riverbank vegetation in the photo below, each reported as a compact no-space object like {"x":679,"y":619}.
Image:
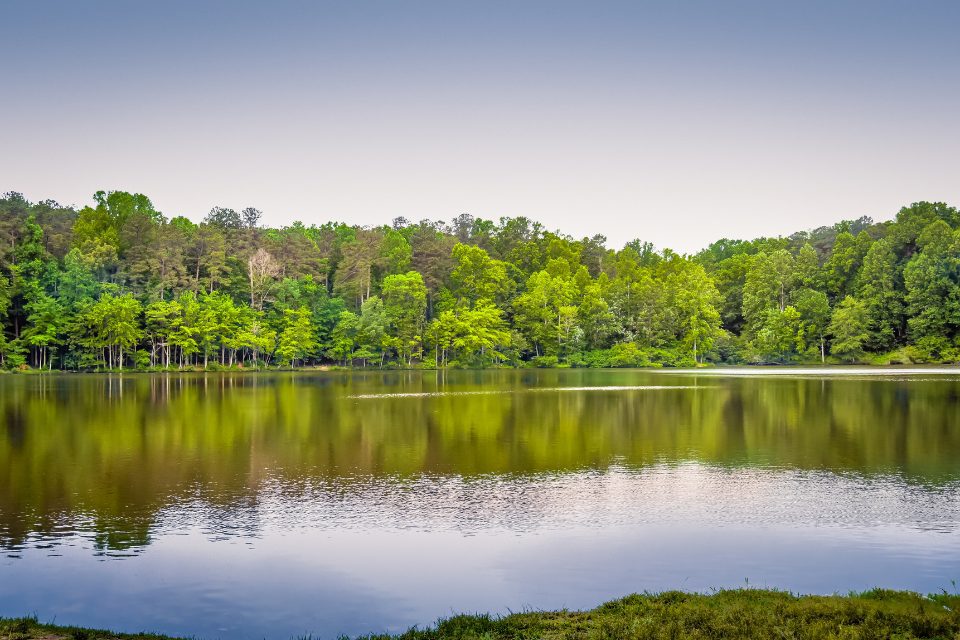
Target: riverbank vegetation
{"x":119,"y":285}
{"x":746,"y":613}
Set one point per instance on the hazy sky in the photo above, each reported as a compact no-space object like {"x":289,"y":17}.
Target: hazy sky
{"x":675,"y":122}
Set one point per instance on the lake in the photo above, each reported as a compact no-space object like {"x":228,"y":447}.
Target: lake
{"x":275,"y":505}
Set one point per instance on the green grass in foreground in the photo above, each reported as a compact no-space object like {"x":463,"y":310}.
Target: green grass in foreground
{"x":741,"y":613}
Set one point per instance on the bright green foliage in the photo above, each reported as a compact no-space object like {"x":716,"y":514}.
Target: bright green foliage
{"x":29,"y":252}
{"x":695,"y":301}
{"x":627,"y":354}
{"x":761,"y":293}
{"x":396,"y":252}
{"x":807,"y":267}
{"x":217,"y":322}
{"x":183,"y":335}
{"x":343,"y":341}
{"x":254,"y":338}
{"x":112,"y":327}
{"x":545,"y":313}
{"x":474,"y":337}
{"x":45,"y":323}
{"x":849,"y":328}
{"x":596,"y":319}
{"x":405,"y":303}
{"x":77,"y":280}
{"x":778,"y":337}
{"x":373,"y":337}
{"x":117,"y":284}
{"x":476,"y":276}
{"x":814,"y":309}
{"x":162,"y":320}
{"x":298,"y":339}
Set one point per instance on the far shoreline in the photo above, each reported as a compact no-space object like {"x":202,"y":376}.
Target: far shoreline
{"x":829,"y":368}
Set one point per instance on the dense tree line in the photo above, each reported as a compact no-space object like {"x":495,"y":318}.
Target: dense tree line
{"x":119,"y":285}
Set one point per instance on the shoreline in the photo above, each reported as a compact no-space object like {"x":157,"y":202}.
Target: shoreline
{"x":773,"y":369}
{"x":734,"y":613}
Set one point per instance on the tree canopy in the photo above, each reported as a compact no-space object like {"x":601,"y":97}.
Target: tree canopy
{"x":118,"y":285}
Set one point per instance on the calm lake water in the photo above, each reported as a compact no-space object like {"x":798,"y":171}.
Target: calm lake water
{"x":273,"y":505}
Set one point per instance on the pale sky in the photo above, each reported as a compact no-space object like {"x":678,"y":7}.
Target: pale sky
{"x":674,"y":122}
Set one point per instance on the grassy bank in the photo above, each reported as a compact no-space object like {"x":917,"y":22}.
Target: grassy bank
{"x":742,"y":613}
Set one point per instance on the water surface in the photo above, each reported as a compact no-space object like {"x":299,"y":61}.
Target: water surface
{"x":272,"y":505}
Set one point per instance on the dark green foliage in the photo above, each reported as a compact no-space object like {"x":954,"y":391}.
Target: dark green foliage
{"x":117,"y":285}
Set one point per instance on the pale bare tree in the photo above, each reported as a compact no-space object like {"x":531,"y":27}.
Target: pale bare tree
{"x":263,"y":270}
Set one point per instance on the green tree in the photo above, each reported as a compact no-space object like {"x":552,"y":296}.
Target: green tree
{"x":932,"y":281}
{"x":405,"y":303}
{"x":476,"y":276}
{"x":807,"y":267}
{"x":879,"y":288}
{"x":44,"y":325}
{"x":761,"y":293}
{"x":544,"y":312}
{"x":777,"y":336}
{"x":814,"y":309}
{"x":255,"y":338}
{"x":475,"y":336}
{"x":343,"y":340}
{"x":594,"y":315}
{"x":355,"y":271}
{"x":695,"y":299}
{"x":298,"y":339}
{"x":162,"y":319}
{"x":849,"y":329}
{"x":113,"y":327}
{"x":373,"y":337}
{"x":841,"y":267}
{"x":184,"y":335}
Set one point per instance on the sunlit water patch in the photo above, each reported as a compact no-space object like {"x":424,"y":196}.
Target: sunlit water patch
{"x":438,"y":394}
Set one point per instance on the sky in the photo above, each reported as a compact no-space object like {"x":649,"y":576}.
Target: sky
{"x":676,"y":122}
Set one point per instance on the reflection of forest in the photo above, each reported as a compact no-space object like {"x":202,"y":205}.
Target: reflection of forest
{"x":117,"y":450}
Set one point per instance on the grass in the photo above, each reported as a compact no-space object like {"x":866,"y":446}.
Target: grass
{"x":31,"y":629}
{"x":742,"y":613}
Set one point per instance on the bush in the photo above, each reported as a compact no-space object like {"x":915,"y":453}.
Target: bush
{"x":932,"y":349}
{"x":898,"y":356}
{"x":628,"y":354}
{"x":730,"y":349}
{"x":545,"y":362}
{"x":672,"y":358}
{"x":141,"y":359}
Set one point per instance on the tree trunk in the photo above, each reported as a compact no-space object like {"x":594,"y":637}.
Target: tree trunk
{"x":250,"y":271}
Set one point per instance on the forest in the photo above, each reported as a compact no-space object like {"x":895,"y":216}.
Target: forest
{"x":117,"y":285}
